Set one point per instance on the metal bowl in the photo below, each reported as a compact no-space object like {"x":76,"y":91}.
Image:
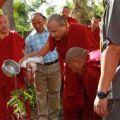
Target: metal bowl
{"x":10,"y":68}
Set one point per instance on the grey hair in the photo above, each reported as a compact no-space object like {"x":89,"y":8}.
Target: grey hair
{"x":75,"y":52}
{"x":37,"y":13}
{"x":58,"y":18}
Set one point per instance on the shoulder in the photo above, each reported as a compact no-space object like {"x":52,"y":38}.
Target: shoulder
{"x":72,"y":20}
{"x":13,"y":32}
{"x":30,"y":36}
{"x":78,"y":27}
{"x":16,"y":35}
{"x":32,"y":33}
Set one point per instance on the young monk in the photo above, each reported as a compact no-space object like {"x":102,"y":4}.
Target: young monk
{"x":87,"y":66}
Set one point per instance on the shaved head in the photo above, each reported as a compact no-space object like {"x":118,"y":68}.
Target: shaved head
{"x":76,"y":59}
{"x":75,"y":52}
{"x":58,"y":18}
{"x":57,"y":26}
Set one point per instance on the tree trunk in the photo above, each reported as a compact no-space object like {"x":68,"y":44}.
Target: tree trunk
{"x":81,"y":10}
{"x":8,"y":11}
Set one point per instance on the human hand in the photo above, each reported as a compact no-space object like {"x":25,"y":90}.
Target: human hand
{"x":32,"y":66}
{"x":29,"y":78}
{"x":100,"y":106}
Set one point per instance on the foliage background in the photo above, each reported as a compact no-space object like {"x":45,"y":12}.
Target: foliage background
{"x":19,"y":11}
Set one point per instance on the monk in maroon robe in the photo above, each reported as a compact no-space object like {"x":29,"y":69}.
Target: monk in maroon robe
{"x":65,"y":13}
{"x":73,"y":95}
{"x":96,"y":29}
{"x":11,"y":46}
{"x":71,"y":20}
{"x":87,"y":66}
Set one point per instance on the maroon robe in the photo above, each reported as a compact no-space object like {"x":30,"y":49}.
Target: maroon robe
{"x":71,"y":20}
{"x":96,"y":34}
{"x":78,"y":36}
{"x":90,"y":80}
{"x":10,"y":48}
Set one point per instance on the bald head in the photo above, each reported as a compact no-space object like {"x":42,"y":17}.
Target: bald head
{"x":57,"y":26}
{"x":58,"y":18}
{"x":76,"y":59}
{"x":75,"y":52}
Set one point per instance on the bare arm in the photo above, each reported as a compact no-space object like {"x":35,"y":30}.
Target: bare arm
{"x":43,"y":51}
{"x":109,"y":64}
{"x":110,"y":59}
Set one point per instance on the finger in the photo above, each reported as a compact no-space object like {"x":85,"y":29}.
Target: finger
{"x":102,"y":110}
{"x":96,"y":106}
{"x":97,"y":110}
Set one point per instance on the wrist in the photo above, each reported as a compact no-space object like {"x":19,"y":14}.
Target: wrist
{"x":102,"y":95}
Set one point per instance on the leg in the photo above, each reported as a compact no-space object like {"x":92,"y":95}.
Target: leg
{"x":41,"y":92}
{"x":54,"y":85}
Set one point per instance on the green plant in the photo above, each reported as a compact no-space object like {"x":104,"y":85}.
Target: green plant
{"x":18,"y":99}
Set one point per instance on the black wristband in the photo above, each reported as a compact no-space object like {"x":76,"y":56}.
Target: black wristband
{"x":102,"y":95}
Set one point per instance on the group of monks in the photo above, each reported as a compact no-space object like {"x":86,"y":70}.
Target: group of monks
{"x":79,"y":90}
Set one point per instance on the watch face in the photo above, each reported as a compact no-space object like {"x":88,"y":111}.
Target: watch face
{"x":101,"y":95}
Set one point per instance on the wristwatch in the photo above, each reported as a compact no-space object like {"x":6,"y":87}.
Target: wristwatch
{"x":102,"y":95}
